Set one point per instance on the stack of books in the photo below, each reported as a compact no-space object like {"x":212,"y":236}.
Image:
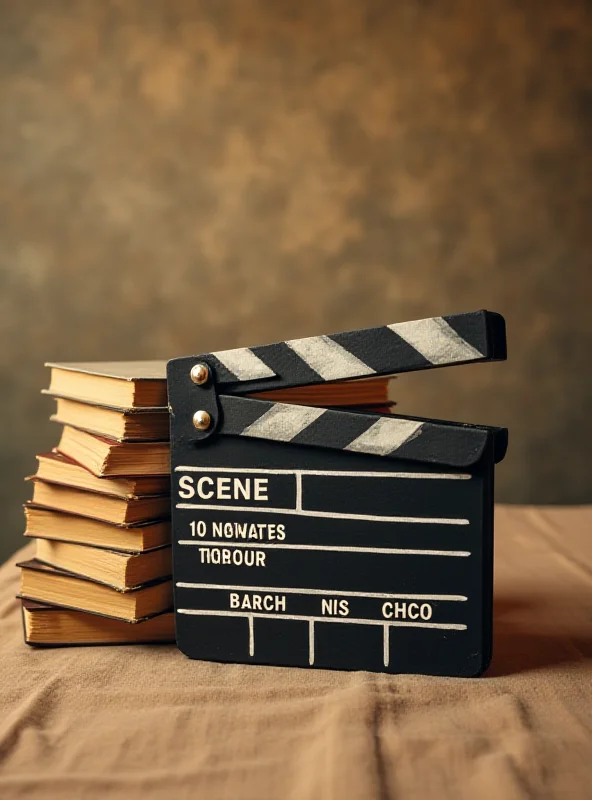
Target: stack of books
{"x":100,"y":511}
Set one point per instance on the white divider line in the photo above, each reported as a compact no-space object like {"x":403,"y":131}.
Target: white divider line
{"x":299,"y":492}
{"x":384,"y":551}
{"x":251,"y":635}
{"x":385,"y":645}
{"x":323,"y":514}
{"x":201,"y":612}
{"x":333,"y":592}
{"x":449,"y":476}
{"x":261,"y":471}
{"x":311,"y":642}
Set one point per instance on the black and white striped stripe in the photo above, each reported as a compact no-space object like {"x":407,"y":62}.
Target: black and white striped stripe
{"x":241,"y":365}
{"x":386,"y":350}
{"x":415,"y":440}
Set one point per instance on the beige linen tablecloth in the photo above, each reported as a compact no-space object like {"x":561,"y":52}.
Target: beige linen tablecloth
{"x":145,"y":722}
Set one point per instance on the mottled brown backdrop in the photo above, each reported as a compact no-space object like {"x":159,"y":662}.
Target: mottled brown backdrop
{"x":182,"y":175}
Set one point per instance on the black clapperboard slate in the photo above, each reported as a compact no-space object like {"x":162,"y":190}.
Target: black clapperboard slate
{"x":328,"y":538}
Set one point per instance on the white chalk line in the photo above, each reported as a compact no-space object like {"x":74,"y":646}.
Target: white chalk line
{"x":383,"y":551}
{"x":450,"y":476}
{"x":251,"y":635}
{"x":323,"y":514}
{"x":307,"y":618}
{"x":332,"y":592}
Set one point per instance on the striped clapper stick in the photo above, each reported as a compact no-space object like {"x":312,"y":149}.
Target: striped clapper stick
{"x":325,"y":538}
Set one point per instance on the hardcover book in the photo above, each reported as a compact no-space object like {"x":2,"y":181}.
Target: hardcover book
{"x":131,"y":425}
{"x":51,"y":626}
{"x":44,"y":523}
{"x":119,"y":384}
{"x":108,"y":458}
{"x":57,"y":468}
{"x":52,"y":586}
{"x":122,"y":571}
{"x":100,"y":506}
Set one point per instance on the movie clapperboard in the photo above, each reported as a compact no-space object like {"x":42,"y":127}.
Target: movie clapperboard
{"x":331,"y":538}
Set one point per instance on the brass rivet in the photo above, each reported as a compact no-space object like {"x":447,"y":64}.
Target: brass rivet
{"x":201,"y":420}
{"x":199,"y":373}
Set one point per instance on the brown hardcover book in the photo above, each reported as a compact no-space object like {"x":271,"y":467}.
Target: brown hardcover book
{"x":107,"y":458}
{"x":119,"y":570}
{"x":364,"y":392}
{"x":57,"y":468}
{"x":52,"y":586}
{"x":42,"y":523}
{"x":132,"y":385}
{"x":120,"y":384}
{"x":100,"y":506}
{"x":138,"y":425}
{"x":51,"y":626}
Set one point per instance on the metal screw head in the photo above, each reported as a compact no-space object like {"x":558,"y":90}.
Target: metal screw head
{"x":199,"y":373}
{"x":201,"y":420}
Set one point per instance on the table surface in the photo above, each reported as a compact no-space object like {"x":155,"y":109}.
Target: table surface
{"x":144,"y":721}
